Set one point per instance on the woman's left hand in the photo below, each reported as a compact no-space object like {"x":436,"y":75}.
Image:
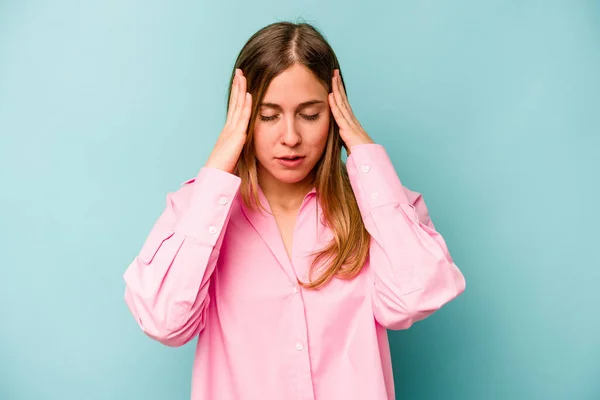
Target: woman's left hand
{"x":351,"y":131}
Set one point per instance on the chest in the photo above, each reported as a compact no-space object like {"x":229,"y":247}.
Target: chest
{"x":285,"y":224}
{"x":263,"y":256}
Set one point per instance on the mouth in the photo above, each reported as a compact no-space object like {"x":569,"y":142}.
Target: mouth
{"x":291,"y":161}
{"x":291,"y":158}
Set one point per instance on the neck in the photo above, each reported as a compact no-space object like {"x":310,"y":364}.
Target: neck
{"x":283,"y":197}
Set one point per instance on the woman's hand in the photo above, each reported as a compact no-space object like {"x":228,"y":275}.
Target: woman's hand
{"x":351,"y":131}
{"x":231,"y":141}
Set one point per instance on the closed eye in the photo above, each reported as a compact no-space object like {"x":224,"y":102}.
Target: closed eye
{"x":313,"y":117}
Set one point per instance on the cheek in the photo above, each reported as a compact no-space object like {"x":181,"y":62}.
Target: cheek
{"x":262,"y":140}
{"x":323,"y":131}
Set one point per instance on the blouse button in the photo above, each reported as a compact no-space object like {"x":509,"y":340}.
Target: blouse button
{"x":366,"y":168}
{"x":374,"y":195}
{"x":212,"y":230}
{"x":299,"y":346}
{"x":223,"y":200}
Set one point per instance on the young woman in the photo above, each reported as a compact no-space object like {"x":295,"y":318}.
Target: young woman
{"x":287,"y":264}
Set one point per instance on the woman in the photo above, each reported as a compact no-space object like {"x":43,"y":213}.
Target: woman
{"x":286,"y":263}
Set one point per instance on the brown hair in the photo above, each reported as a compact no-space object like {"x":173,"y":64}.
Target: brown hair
{"x":267,"y":53}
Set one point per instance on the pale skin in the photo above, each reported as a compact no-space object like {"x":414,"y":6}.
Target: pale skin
{"x":294,"y":120}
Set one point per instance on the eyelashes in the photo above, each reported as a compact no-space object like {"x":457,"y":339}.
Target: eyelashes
{"x":306,"y":117}
{"x":311,"y":117}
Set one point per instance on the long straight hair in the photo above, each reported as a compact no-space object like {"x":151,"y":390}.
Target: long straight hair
{"x":267,"y":53}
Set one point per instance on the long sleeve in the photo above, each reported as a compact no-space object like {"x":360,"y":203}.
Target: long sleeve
{"x":167,"y":282}
{"x":414,"y":274}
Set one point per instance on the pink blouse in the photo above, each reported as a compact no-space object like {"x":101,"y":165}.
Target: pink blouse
{"x":212,"y":269}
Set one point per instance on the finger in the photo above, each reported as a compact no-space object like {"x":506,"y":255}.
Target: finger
{"x":233,"y":88}
{"x":337,"y":94}
{"x":241,"y":99}
{"x":337,"y":114}
{"x":239,"y":102}
{"x":346,"y":108}
{"x":245,"y":116}
{"x":337,"y":102}
{"x":342,"y":88}
{"x":232,"y":98}
{"x":343,"y":106}
{"x":345,"y":101}
{"x":243,"y":82}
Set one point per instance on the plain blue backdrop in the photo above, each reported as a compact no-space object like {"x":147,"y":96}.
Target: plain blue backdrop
{"x":490,"y":109}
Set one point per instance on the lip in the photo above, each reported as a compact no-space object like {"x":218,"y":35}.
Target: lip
{"x":291,"y":163}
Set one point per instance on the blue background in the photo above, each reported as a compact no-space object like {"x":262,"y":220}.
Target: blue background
{"x":490,"y":109}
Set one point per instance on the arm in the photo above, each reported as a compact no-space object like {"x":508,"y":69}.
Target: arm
{"x":414,"y":274}
{"x":167,"y":282}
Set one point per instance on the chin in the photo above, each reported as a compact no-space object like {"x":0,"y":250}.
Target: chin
{"x":290,"y":176}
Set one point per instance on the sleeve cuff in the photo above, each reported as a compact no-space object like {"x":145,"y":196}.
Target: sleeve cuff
{"x":373,"y":178}
{"x":213,"y":193}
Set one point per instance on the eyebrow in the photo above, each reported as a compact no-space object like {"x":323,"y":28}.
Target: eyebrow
{"x":300,"y":106}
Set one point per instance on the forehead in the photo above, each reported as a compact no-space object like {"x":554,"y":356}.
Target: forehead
{"x":295,"y":85}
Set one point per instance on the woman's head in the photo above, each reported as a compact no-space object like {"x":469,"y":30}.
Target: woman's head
{"x":288,"y":67}
{"x":285,"y":65}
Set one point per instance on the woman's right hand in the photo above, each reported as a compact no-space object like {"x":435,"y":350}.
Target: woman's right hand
{"x":231,"y":141}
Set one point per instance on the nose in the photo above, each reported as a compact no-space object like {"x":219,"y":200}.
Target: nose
{"x":291,"y":137}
